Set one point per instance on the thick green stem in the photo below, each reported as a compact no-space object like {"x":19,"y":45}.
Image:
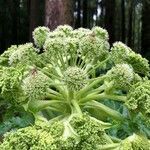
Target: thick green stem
{"x":54,"y":92}
{"x":52,"y":96}
{"x":115,"y":140}
{"x":49,"y":74}
{"x":103,"y":96}
{"x":59,"y":59}
{"x":104,"y":125}
{"x":98,"y":90}
{"x":39,"y":117}
{"x":62,"y":90}
{"x":90,"y":86}
{"x":108,"y":146}
{"x":100,"y":64}
{"x":73,"y":102}
{"x":58,"y":118}
{"x":110,"y":112}
{"x":84,"y":59}
{"x":76,"y":107}
{"x":36,"y":106}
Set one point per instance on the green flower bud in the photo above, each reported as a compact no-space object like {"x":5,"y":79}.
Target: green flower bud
{"x":27,"y":138}
{"x":23,"y":54}
{"x":123,"y":54}
{"x":39,"y":35}
{"x":66,"y":29}
{"x":9,"y":51}
{"x":35,"y":85}
{"x":139,"y":96}
{"x":75,"y":78}
{"x":94,"y":47}
{"x":100,"y":33}
{"x":71,"y":45}
{"x":10,"y":84}
{"x":135,"y":142}
{"x":5,"y":56}
{"x":53,"y":46}
{"x":122,"y":75}
{"x":56,"y":34}
{"x":80,"y":33}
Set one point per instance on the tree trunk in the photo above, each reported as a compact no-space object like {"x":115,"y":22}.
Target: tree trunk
{"x":146,"y":29}
{"x":34,"y":15}
{"x":58,"y":12}
{"x":85,"y":13}
{"x":77,"y":22}
{"x":123,"y":20}
{"x":13,"y":6}
{"x":109,"y":18}
{"x":130,"y":24}
{"x":2,"y":27}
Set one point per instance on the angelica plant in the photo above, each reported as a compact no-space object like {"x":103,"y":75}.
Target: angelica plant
{"x":64,"y":80}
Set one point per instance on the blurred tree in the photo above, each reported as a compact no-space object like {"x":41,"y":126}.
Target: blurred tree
{"x":130,"y":27}
{"x":77,"y":14}
{"x":13,"y":6}
{"x":146,"y":28}
{"x":14,"y":23}
{"x":2,"y":25}
{"x":58,"y":12}
{"x":33,"y":15}
{"x":125,"y":20}
{"x":109,"y":18}
{"x":36,"y":14}
{"x":85,"y":13}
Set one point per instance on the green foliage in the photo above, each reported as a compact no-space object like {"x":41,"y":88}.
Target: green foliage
{"x":14,"y":118}
{"x":81,"y":95}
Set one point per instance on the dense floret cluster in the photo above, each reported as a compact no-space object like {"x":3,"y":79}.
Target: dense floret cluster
{"x":75,"y":78}
{"x":78,"y":89}
{"x":75,"y":133}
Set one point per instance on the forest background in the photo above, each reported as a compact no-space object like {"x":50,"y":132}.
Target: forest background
{"x":126,"y":20}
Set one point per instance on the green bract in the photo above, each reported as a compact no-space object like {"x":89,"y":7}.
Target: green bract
{"x":82,"y":94}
